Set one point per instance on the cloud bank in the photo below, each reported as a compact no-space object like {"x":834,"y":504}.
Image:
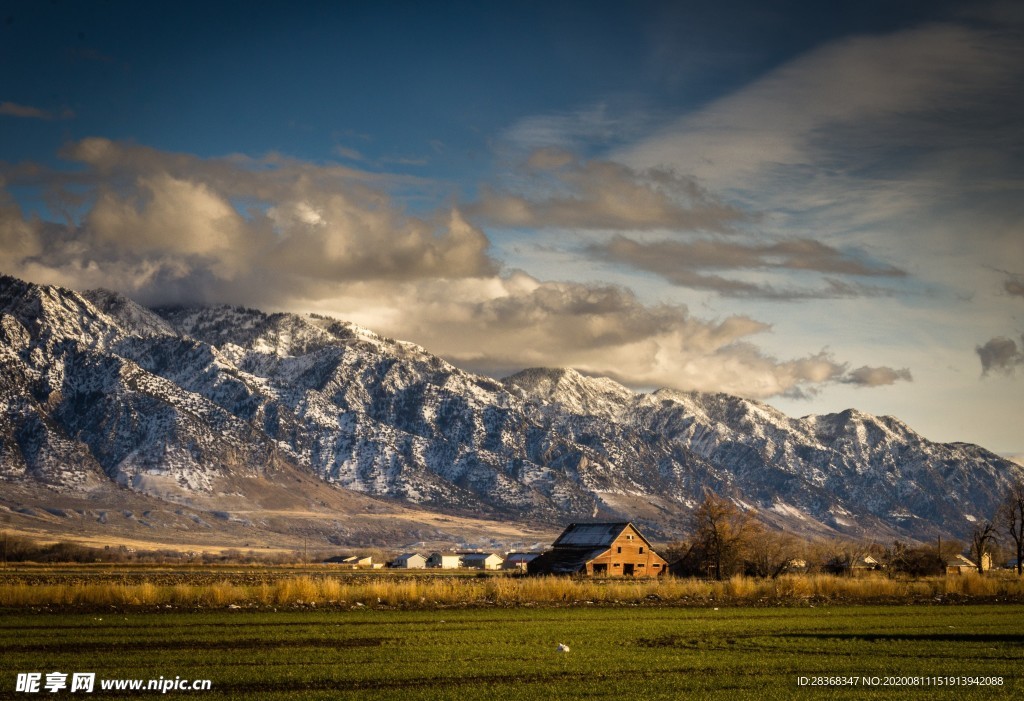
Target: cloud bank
{"x":284,"y":234}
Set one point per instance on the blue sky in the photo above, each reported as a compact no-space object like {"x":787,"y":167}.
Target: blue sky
{"x":818,"y":206}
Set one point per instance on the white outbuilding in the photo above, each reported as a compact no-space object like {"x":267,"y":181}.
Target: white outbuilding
{"x":482,"y":561}
{"x":410,"y":561}
{"x":445,"y":561}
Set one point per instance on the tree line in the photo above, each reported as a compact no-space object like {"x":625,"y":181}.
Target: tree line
{"x":726,"y":540}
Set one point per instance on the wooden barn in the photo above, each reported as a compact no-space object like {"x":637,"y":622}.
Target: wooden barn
{"x":600,"y":549}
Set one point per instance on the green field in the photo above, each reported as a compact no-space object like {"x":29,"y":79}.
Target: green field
{"x":476,"y":653}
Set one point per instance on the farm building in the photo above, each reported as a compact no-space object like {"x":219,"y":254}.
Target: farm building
{"x":445,"y":561}
{"x":601,"y":549}
{"x":410,"y":561}
{"x":351,"y":561}
{"x":482,"y":561}
{"x":864,"y":564}
{"x":518,"y":561}
{"x":852,"y":565}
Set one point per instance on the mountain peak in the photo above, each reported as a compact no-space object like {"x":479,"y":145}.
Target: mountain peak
{"x":133,"y":317}
{"x":570,"y":390}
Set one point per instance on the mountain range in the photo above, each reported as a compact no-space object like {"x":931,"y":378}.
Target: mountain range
{"x":212,"y":422}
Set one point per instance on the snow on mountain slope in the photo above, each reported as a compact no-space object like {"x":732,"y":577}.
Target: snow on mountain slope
{"x":566,"y":390}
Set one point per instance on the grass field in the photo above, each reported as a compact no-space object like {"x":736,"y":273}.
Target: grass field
{"x":477,"y":653}
{"x":96,"y":587}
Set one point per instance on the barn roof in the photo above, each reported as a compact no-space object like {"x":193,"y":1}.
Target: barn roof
{"x":593,"y":535}
{"x":959,"y":561}
{"x":565,"y":561}
{"x":521,"y":557}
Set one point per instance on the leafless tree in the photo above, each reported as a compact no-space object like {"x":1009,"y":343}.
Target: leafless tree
{"x":1012,"y":516}
{"x":771,"y":553}
{"x":981,"y":542}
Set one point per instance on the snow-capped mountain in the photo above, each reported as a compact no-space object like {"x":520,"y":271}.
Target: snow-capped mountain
{"x":187,"y":403}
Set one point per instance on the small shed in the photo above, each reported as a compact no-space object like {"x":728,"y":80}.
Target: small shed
{"x":482,"y":561}
{"x":600,"y":549}
{"x":410,"y":561}
{"x":444,"y":561}
{"x":518,"y":561}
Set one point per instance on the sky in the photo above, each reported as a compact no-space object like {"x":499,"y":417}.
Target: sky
{"x":815,"y":205}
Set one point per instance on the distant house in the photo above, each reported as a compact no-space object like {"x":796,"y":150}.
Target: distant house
{"x":600,"y":549}
{"x":855,"y":565}
{"x":410,"y":561}
{"x":864,"y":564}
{"x":351,"y":561}
{"x":445,"y":561}
{"x":518,"y":561}
{"x":482,"y":561}
{"x":960,"y":564}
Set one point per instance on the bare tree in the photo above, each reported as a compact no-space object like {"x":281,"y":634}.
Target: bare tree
{"x":981,"y":542}
{"x":720,"y":531}
{"x":771,"y":553}
{"x":1012,"y":516}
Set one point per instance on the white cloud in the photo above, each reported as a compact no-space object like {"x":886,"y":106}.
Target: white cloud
{"x":876,"y":377}
{"x":603,"y":195}
{"x":213,"y":229}
{"x":503,"y":324}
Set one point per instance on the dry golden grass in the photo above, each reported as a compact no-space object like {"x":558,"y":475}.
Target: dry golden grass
{"x":399,"y":591}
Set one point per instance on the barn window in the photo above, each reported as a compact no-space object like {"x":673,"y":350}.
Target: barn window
{"x":619,"y":550}
{"x":641,"y":550}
